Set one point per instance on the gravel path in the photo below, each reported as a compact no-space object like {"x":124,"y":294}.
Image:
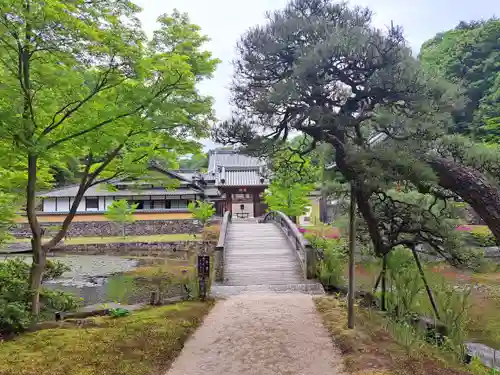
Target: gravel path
{"x":260,"y":334}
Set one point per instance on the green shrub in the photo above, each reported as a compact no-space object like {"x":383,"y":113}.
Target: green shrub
{"x":453,"y":308}
{"x":13,"y":316}
{"x":332,"y":265}
{"x":405,"y":283}
{"x":480,"y":264}
{"x":202,"y":211}
{"x":54,"y":269}
{"x":405,"y":334}
{"x":55,"y":300}
{"x":15,"y":295}
{"x":482,"y":236}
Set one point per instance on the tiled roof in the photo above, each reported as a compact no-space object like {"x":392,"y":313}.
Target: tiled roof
{"x":241,"y":177}
{"x":225,"y":158}
{"x":101,"y":191}
{"x":231,"y":168}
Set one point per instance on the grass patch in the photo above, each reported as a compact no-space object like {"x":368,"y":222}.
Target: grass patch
{"x":483,"y":323}
{"x":128,"y":239}
{"x":174,"y":267}
{"x":369,"y":348}
{"x":144,"y":343}
{"x":166,"y":277}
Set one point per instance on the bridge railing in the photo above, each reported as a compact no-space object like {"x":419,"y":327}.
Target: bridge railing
{"x":305,"y":253}
{"x":219,"y":249}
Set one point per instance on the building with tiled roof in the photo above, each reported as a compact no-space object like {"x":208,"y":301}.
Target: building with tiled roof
{"x":239,"y":182}
{"x":233,"y":181}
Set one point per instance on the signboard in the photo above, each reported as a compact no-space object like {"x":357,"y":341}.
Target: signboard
{"x":203,"y":266}
{"x":203,"y":274}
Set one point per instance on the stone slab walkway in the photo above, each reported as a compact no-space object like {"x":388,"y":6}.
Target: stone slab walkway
{"x":260,"y":334}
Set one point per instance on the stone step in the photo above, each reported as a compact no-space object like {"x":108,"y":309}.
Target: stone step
{"x":269,"y":273}
{"x":314,"y":288}
{"x":288,"y":264}
{"x":257,"y":262}
{"x":274,"y":254}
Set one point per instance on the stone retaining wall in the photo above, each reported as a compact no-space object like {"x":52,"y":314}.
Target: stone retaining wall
{"x":179,"y":249}
{"x":109,"y":229}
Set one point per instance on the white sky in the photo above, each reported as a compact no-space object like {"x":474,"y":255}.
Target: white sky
{"x":225,"y":20}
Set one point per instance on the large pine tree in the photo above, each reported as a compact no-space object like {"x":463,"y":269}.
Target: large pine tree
{"x":320,"y":68}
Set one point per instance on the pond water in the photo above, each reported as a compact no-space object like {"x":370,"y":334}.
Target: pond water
{"x":89,"y":274}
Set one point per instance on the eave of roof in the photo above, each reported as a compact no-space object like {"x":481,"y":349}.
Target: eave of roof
{"x":101,"y":191}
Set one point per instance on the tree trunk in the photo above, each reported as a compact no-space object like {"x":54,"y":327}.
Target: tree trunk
{"x":36,"y":275}
{"x":362,"y":199}
{"x":473,"y":187}
{"x":69,"y":218}
{"x":38,"y":265}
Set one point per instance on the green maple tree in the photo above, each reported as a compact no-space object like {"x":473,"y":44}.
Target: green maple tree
{"x":80,"y":79}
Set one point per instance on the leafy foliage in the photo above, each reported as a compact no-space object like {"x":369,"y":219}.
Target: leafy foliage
{"x":15,"y":294}
{"x":323,"y":70}
{"x":482,"y":237}
{"x":453,"y":308}
{"x":121,"y":212}
{"x":81,"y":80}
{"x":469,"y":54}
{"x":292,"y":200}
{"x":333,"y":261}
{"x":409,"y":218}
{"x":55,"y":269}
{"x":405,"y":283}
{"x":202,"y":211}
{"x":292,"y":177}
{"x":194,"y":162}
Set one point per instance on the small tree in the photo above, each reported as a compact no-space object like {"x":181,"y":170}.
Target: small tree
{"x":202,"y":211}
{"x":292,"y":200}
{"x":293,"y":177}
{"x":121,"y":213}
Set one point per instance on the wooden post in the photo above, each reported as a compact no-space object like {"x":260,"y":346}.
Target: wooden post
{"x":383,"y":306}
{"x":219,"y":264}
{"x":352,"y":248}
{"x":424,"y":279}
{"x":311,"y":262}
{"x":377,"y":282}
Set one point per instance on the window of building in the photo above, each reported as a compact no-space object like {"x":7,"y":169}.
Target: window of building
{"x":140,"y":204}
{"x":158,"y":205}
{"x":91,"y":203}
{"x":179,"y":203}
